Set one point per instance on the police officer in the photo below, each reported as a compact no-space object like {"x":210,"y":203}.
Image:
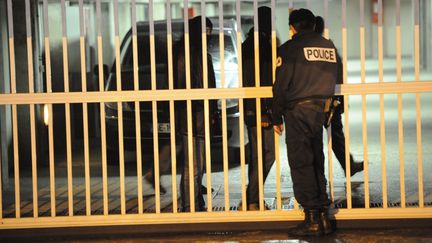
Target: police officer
{"x":265,"y":79}
{"x":335,"y":119}
{"x":305,"y":79}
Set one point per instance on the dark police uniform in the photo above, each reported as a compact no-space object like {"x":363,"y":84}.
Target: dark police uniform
{"x":306,"y":73}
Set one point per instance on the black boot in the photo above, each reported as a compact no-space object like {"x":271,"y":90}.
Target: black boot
{"x":204,"y":190}
{"x":356,"y":167}
{"x":326,"y":224}
{"x":311,"y":226}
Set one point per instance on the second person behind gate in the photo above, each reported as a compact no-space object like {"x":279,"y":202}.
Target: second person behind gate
{"x":265,"y":79}
{"x":198,"y":126}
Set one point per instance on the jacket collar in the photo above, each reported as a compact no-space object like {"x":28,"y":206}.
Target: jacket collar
{"x":303,"y":33}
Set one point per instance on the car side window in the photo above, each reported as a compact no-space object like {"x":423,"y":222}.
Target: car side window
{"x":143,"y":43}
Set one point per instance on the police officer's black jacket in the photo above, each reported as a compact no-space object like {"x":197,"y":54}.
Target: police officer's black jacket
{"x":307,"y":68}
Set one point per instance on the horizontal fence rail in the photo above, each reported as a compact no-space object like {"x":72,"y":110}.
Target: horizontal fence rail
{"x":196,"y":94}
{"x":105,"y":145}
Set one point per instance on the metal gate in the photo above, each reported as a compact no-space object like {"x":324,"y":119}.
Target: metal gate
{"x":80,"y":185}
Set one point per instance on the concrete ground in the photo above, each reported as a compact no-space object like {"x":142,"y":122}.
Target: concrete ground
{"x":134,"y":234}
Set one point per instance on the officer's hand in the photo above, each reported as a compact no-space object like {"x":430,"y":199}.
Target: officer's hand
{"x":278,"y":128}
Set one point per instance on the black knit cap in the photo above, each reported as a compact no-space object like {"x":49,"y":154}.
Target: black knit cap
{"x":264,"y":19}
{"x":300,"y":15}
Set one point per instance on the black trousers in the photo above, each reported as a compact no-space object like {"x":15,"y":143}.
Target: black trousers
{"x":303,"y":129}
{"x":338,"y":138}
{"x":198,"y":171}
{"x":268,"y":157}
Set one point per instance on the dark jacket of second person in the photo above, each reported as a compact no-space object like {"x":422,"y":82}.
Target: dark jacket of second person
{"x":265,"y":73}
{"x":196,"y":79}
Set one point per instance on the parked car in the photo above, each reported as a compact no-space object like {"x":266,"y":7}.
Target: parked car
{"x":163,"y":111}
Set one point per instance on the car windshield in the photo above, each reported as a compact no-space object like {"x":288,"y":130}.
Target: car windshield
{"x":143,"y":43}
{"x":229,"y":49}
{"x":161,"y":56}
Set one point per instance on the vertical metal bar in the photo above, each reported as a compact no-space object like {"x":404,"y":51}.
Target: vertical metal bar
{"x":276,"y":137}
{"x":362,"y":40}
{"x":1,"y":191}
{"x":364,"y":110}
{"x":137,"y":109}
{"x":189,"y":108}
{"x":326,"y":29}
{"x":206,"y":108}
{"x":330,"y":162}
{"x":346,"y":114}
{"x":258,"y":107}
{"x":50,"y":111}
{"x":329,"y":129}
{"x":290,"y":7}
{"x":398,"y":43}
{"x":154,"y":108}
{"x":418,"y":105}
{"x":85,"y":110}
{"x":382,"y":123}
{"x":102,"y":108}
{"x":119,"y":110}
{"x":172,"y":110}
{"x":67,"y":111}
{"x":14,"y":111}
{"x":223,"y":108}
{"x":32,"y":109}
{"x":400,"y":117}
{"x":186,"y":35}
{"x":243,"y":170}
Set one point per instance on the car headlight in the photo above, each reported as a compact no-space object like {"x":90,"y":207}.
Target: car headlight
{"x":46,"y":115}
{"x":230,"y":72}
{"x":230,"y":78}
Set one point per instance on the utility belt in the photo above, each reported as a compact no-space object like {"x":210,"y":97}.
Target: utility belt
{"x":335,"y":102}
{"x":319,"y":105}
